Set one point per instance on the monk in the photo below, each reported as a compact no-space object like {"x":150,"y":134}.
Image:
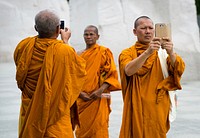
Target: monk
{"x":50,"y":76}
{"x":145,"y":91}
{"x":94,"y":100}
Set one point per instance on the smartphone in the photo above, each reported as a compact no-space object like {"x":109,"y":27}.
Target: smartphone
{"x":62,"y":24}
{"x":162,"y":30}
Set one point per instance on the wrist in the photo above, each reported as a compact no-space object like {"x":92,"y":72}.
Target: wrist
{"x":102,"y":90}
{"x":65,"y":41}
{"x":147,"y":53}
{"x":171,"y":54}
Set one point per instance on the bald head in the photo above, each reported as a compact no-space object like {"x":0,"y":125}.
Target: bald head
{"x":90,"y":35}
{"x":93,"y":27}
{"x":46,"y":23}
{"x":136,"y":23}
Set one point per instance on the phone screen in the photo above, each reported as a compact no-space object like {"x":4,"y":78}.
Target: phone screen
{"x":62,"y":24}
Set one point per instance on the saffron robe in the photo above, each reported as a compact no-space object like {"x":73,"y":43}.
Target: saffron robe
{"x":145,"y":94}
{"x":94,"y":114}
{"x":50,"y":75}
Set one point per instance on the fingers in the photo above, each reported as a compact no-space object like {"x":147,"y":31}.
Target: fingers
{"x":164,"y":43}
{"x":168,"y":46}
{"x":65,"y":30}
{"x":85,"y":96}
{"x":65,"y":34}
{"x":155,"y":44}
{"x":86,"y":99}
{"x":156,"y":39}
{"x":166,"y":39}
{"x":94,"y":96}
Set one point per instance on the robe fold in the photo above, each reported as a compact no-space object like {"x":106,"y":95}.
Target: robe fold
{"x":145,"y":94}
{"x":94,"y":114}
{"x":50,"y":75}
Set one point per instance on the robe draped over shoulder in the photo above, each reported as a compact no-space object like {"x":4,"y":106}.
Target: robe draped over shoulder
{"x":50,"y":75}
{"x":94,"y":114}
{"x":145,"y":94}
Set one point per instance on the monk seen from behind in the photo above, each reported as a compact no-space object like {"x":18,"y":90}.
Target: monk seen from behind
{"x":50,"y":76}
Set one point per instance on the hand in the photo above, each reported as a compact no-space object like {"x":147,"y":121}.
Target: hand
{"x":96,"y":94}
{"x":65,"y":34}
{"x":154,"y":45}
{"x":84,"y":96}
{"x":167,"y":45}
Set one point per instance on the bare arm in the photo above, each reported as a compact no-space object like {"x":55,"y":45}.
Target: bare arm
{"x":133,"y":66}
{"x":84,"y":96}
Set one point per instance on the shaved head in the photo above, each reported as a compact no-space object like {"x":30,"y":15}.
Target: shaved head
{"x":95,"y":28}
{"x":136,"y":23}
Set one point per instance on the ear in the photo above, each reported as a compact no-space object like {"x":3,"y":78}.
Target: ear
{"x":58,"y":30}
{"x":35,"y":28}
{"x":135,"y":32}
{"x":98,"y":36}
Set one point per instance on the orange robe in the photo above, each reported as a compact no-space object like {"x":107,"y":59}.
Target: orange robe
{"x":94,"y":114}
{"x":50,"y":75}
{"x":145,"y":94}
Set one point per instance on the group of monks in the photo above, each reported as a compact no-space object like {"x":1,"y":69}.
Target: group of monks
{"x":66,"y":94}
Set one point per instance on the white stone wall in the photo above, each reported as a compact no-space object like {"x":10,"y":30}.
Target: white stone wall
{"x":17,"y":21}
{"x":115,"y":21}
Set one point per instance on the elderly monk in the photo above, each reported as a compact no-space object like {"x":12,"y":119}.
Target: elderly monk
{"x":50,"y":75}
{"x":145,"y":91}
{"x":94,"y":100}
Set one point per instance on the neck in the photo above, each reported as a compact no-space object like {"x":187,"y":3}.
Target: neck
{"x":51,"y":37}
{"x":89,"y":46}
{"x":143,"y":43}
